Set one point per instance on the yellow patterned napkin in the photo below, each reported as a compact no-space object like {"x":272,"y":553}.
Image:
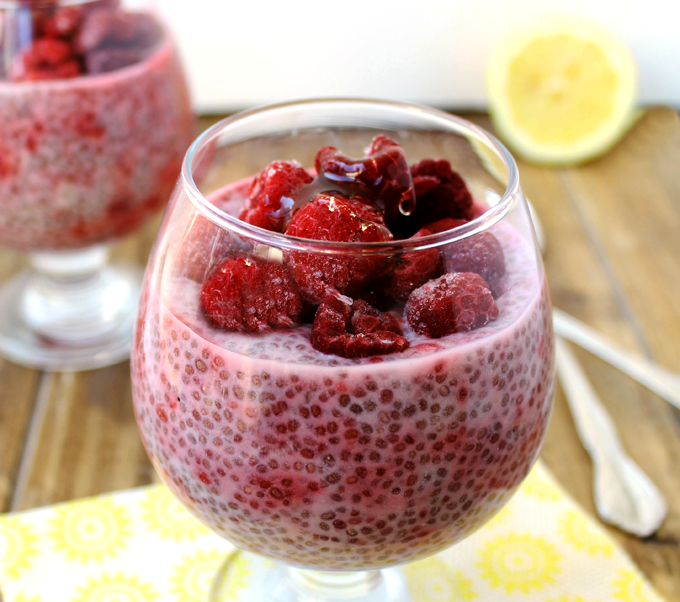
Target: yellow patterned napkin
{"x":142,"y":546}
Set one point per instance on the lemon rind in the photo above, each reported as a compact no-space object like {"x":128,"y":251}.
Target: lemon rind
{"x":601,"y":139}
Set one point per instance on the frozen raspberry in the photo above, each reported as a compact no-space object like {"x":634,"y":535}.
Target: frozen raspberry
{"x":452,"y":303}
{"x":416,"y":269}
{"x":334,"y":217}
{"x":379,"y":144}
{"x":481,"y":254}
{"x":272,"y":195}
{"x":68,"y":69}
{"x":366,"y":319}
{"x":64,"y":22}
{"x":62,"y":71}
{"x":383,"y":177}
{"x":354,"y":329}
{"x":47,"y":59}
{"x":46,"y":53}
{"x":249,"y":294}
{"x":440,"y":193}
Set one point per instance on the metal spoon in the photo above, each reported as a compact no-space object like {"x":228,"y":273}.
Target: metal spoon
{"x":663,"y":382}
{"x":624,"y":494}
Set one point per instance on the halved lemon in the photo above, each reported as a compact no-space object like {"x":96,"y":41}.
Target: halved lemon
{"x":561,"y":89}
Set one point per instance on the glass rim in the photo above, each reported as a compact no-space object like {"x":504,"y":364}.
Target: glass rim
{"x":282,"y":241}
{"x":85,"y":80}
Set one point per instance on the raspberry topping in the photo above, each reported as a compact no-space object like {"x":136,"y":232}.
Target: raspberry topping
{"x":71,"y":40}
{"x":354,"y":329}
{"x":440,"y":193}
{"x":452,"y":303}
{"x":272,"y":195}
{"x":383,"y":177}
{"x":46,"y":53}
{"x":415,"y":270}
{"x":249,"y":294}
{"x":481,"y":254}
{"x":64,"y":22}
{"x":334,"y":217}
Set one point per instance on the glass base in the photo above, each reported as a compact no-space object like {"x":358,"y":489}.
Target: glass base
{"x":246,"y":578}
{"x":71,"y":311}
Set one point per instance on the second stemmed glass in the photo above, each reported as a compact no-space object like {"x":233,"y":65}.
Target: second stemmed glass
{"x":94,"y":120}
{"x":340,"y":457}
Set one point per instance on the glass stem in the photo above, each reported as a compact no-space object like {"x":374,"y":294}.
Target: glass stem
{"x":73,"y":297}
{"x":273,"y":582}
{"x":325,"y":585}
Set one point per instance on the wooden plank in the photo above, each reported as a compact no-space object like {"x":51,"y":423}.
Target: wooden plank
{"x":88,"y":439}
{"x":17,"y":395}
{"x":629,"y":205}
{"x":632,"y":200}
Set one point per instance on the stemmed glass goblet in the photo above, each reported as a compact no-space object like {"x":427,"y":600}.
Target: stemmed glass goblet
{"x":280,"y":405}
{"x":94,"y":121}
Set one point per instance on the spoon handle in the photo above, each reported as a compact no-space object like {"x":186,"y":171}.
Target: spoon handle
{"x":624,"y":495}
{"x":664,"y":383}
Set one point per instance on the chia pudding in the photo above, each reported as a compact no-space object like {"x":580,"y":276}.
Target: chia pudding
{"x":92,"y":145}
{"x":323,"y":459}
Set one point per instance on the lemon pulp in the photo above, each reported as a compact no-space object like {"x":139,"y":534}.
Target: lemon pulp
{"x":561,"y":90}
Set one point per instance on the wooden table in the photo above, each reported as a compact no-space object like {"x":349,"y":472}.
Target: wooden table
{"x":613,"y":260}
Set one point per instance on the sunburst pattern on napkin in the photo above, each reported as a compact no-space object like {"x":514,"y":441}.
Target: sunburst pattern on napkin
{"x":142,"y":546}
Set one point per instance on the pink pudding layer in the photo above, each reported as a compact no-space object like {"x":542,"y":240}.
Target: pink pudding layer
{"x":85,"y":160}
{"x":322,"y":461}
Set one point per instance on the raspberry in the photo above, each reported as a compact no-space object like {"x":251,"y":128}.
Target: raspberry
{"x":64,"y":22}
{"x":334,"y":217}
{"x":380,"y":143}
{"x":452,"y":303}
{"x":47,"y":59}
{"x":366,"y":319}
{"x":45,"y":53}
{"x":354,"y":329}
{"x":63,"y":71}
{"x":415,"y":270}
{"x":68,"y":69}
{"x":249,"y":294}
{"x":481,"y":254}
{"x":383,"y":177}
{"x":273,"y":193}
{"x":440,"y":193}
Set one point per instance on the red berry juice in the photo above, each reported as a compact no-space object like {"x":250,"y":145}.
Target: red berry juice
{"x":332,"y":463}
{"x":84,"y":160}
